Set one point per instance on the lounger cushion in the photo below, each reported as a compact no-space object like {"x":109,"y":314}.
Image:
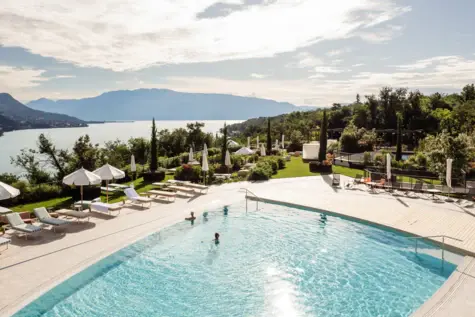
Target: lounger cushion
{"x":132,"y":195}
{"x":27,"y":228}
{"x":73,"y":213}
{"x":161,"y":193}
{"x":14,"y":219}
{"x":106,"y":208}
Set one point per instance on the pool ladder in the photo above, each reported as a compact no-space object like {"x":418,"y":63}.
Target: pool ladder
{"x":442,"y":248}
{"x":256,"y":198}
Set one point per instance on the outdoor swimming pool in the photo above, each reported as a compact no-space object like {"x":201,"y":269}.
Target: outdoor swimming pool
{"x":278,"y":261}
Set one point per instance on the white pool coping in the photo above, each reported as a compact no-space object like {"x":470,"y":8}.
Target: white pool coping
{"x":35,"y":267}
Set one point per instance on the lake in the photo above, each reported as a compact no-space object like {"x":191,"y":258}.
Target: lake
{"x":12,"y":142}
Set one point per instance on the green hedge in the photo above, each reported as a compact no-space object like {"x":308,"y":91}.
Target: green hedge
{"x":34,"y":193}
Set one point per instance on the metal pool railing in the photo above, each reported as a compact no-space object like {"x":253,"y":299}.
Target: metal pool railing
{"x":247,"y":191}
{"x":443,"y":243}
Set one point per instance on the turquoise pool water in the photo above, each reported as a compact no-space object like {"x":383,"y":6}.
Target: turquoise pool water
{"x":276,"y":262}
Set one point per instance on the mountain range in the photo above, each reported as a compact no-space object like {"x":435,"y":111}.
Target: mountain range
{"x":164,"y":104}
{"x":15,"y":116}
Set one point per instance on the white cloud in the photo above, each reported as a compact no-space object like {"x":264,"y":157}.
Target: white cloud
{"x":338,"y":52}
{"x":305,"y":60}
{"x":424,"y":63}
{"x":64,"y":76}
{"x":12,"y":78}
{"x":381,"y":35}
{"x":258,"y":76}
{"x":328,"y":69}
{"x":357,"y":65}
{"x":126,"y":35}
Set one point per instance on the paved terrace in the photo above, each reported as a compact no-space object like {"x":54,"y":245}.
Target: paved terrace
{"x":30,"y":268}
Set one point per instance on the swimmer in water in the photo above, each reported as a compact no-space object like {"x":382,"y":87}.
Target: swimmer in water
{"x":205,"y":216}
{"x":191,"y":217}
{"x":216,"y":238}
{"x":225,"y":210}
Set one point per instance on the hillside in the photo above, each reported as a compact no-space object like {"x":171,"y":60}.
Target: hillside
{"x":14,"y":116}
{"x":164,"y":104}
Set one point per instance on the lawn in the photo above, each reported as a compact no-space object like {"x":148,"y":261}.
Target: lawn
{"x":297,"y":168}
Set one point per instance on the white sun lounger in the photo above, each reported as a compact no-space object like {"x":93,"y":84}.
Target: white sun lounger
{"x":5,"y":241}
{"x":160,"y":184}
{"x":73,"y":214}
{"x":120,"y":186}
{"x":177,"y":182}
{"x":105,"y":208}
{"x":136,"y":198}
{"x":19,"y":225}
{"x":161,"y":193}
{"x":44,"y":217}
{"x":110,"y":189}
{"x":201,"y":188}
{"x":181,"y":189}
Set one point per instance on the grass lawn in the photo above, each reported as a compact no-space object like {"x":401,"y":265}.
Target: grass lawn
{"x":295,"y":168}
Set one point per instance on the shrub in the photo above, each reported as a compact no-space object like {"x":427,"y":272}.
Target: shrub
{"x":262,"y":172}
{"x":378,"y":159}
{"x":33,"y":193}
{"x":273,"y":163}
{"x":8,"y":178}
{"x":188,"y":173}
{"x":320,"y":167}
{"x":156,"y":176}
{"x":281,"y":162}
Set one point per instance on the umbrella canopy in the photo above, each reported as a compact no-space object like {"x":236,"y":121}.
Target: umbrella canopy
{"x":448,"y":176}
{"x":244,"y":151}
{"x":232,"y":143}
{"x":108,"y":172}
{"x":388,"y":165}
{"x":133,"y":167}
{"x":204,"y":166}
{"x":249,"y":142}
{"x":205,"y":149}
{"x":82,"y":177}
{"x":283,"y":138}
{"x":7,"y":191}
{"x":263,"y":150}
{"x":227,"y":159}
{"x":190,"y":156}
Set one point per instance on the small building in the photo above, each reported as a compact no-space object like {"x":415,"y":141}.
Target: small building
{"x":310,"y":150}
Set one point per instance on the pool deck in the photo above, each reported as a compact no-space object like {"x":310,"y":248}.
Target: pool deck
{"x":29,"y":268}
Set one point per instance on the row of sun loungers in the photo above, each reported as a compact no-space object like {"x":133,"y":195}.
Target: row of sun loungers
{"x":44,"y":218}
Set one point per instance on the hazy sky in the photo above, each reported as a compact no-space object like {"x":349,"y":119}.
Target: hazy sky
{"x":307,"y":52}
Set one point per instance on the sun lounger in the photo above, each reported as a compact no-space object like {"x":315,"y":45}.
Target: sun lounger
{"x":177,"y":182}
{"x":161,"y":193}
{"x":120,"y":186}
{"x":416,"y":191}
{"x":198,"y":187}
{"x":85,"y":203}
{"x":44,"y":217}
{"x":336,"y":180}
{"x":110,"y":190}
{"x":105,"y":208}
{"x":160,"y":184}
{"x":17,"y":224}
{"x":73,"y":214}
{"x":4,"y":241}
{"x":182,"y":189}
{"x":136,"y":198}
{"x":4,"y":210}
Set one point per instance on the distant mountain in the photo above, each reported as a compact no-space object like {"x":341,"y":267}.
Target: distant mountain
{"x":14,"y":116}
{"x":164,"y":104}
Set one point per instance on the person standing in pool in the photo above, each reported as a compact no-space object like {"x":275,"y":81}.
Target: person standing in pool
{"x":216,"y":238}
{"x":225,"y":210}
{"x":191,"y":217}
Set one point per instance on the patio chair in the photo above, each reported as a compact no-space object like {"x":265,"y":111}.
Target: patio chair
{"x":336,"y":180}
{"x":19,"y":225}
{"x":136,"y":199}
{"x":416,"y":191}
{"x":44,"y":217}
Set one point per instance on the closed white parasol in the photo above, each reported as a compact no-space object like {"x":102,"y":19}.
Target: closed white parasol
{"x":204,"y":166}
{"x":82,"y":177}
{"x":227,"y":160}
{"x":108,"y":172}
{"x":388,"y":166}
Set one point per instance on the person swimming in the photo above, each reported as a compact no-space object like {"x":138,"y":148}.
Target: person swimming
{"x":191,"y":217}
{"x":225,"y":210}
{"x":216,"y":238}
{"x":205,"y":216}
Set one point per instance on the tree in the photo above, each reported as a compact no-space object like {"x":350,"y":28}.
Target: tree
{"x":28,"y":161}
{"x":139,"y":147}
{"x":224,"y":146}
{"x":196,"y":137}
{"x":468,"y":92}
{"x":46,"y":147}
{"x":85,"y":154}
{"x":269,"y":141}
{"x":322,"y":154}
{"x":373,"y":110}
{"x":153,"y":148}
{"x":358,"y":100}
{"x":399,"y":140}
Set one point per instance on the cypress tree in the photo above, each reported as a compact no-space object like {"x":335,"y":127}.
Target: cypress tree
{"x":153,"y":148}
{"x":399,"y":140}
{"x":269,"y":143}
{"x":322,"y":154}
{"x":224,"y":146}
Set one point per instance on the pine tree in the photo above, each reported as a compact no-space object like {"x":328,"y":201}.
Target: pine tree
{"x":153,"y":148}
{"x":269,"y":141}
{"x":399,"y":140}
{"x":224,"y":146}
{"x":322,"y":154}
